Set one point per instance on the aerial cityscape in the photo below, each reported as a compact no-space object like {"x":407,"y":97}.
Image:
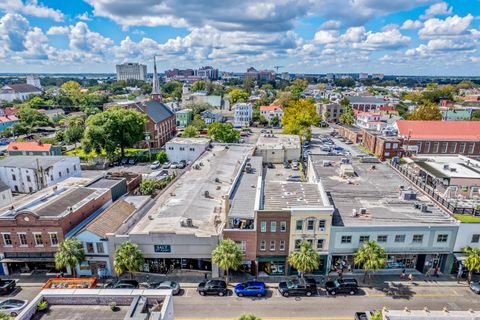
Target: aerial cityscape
{"x":273,"y":160}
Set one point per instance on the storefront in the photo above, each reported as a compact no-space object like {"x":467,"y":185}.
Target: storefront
{"x":27,"y":263}
{"x":95,"y":266}
{"x":322,"y":266}
{"x":165,"y":265}
{"x":272,"y":266}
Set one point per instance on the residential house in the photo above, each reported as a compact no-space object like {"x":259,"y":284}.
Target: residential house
{"x":184,"y":117}
{"x":7,"y":121}
{"x":243,"y":113}
{"x":329,"y":112}
{"x":212,"y":116}
{"x":365,"y":103}
{"x":33,"y":148}
{"x":20,"y":92}
{"x":272,"y":111}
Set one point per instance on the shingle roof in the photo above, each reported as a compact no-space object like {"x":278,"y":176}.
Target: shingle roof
{"x":29,"y":146}
{"x":360,"y":99}
{"x":111,"y":219}
{"x":270,"y":108}
{"x":155,"y":110}
{"x":439,"y":130}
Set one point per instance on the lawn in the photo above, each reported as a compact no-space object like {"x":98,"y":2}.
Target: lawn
{"x":467,"y":218}
{"x":84,"y":156}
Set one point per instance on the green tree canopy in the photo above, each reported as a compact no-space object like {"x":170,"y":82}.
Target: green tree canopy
{"x":70,"y":253}
{"x":223,"y":132}
{"x":227,"y":255}
{"x":198,"y":107}
{"x":298,"y":117}
{"x":128,"y":258}
{"x":37,"y":102}
{"x":198,"y":123}
{"x":472,"y":261}
{"x":275,"y":121}
{"x":75,"y":129}
{"x":32,"y":118}
{"x":371,"y":256}
{"x":249,"y":316}
{"x":238,"y":95}
{"x":199,"y":85}
{"x":190,"y":132}
{"x":112,"y":129}
{"x":426,"y":111}
{"x":347,"y":117}
{"x":148,"y":187}
{"x":306,"y":259}
{"x":71,"y":87}
{"x":173,"y":89}
{"x":162,"y":156}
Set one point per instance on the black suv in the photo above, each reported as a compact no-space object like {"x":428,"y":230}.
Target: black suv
{"x":297,"y":287}
{"x":218,"y":287}
{"x":123,"y":284}
{"x":349,"y":286}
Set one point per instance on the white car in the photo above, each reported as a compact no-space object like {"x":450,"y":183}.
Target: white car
{"x":12,"y":306}
{"x":155,"y":165}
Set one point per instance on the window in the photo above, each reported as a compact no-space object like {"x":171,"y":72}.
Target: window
{"x":363,"y":239}
{"x":417,"y":238}
{"x":273,"y":226}
{"x":29,"y":179}
{"x":242,"y":245}
{"x":192,"y":149}
{"x":442,"y":238}
{"x":182,"y":149}
{"x":400,"y":238}
{"x":272,"y":245}
{"x":387,"y":145}
{"x":90,"y":247}
{"x":346,"y":239}
{"x":53,"y":239}
{"x":395,"y":145}
{"x":22,"y":237}
{"x":320,"y":244}
{"x":263,"y":245}
{"x":283,"y":226}
{"x":321,"y":225}
{"x":310,"y":225}
{"x":59,"y":174}
{"x":16,"y":188}
{"x":263,"y":226}
{"x":14,"y":178}
{"x":382,"y":238}
{"x":299,"y":225}
{"x":170,"y":148}
{"x":38,"y":239}
{"x":74,"y":167}
{"x":7,"y":239}
{"x":475,"y":238}
{"x":297,"y":244}
{"x":30,"y":189}
{"x":68,"y":171}
{"x":282,"y":245}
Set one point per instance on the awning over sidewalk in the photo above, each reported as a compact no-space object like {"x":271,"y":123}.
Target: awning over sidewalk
{"x":460,"y":256}
{"x":25,"y":260}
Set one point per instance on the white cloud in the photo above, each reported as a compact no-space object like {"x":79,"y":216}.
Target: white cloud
{"x":58,"y":30}
{"x":451,"y":26}
{"x":390,"y":39}
{"x":325,"y":37}
{"x":13,"y":30}
{"x":84,"y":16}
{"x":411,"y":24}
{"x":437,"y":9}
{"x":331,"y":25}
{"x":84,"y":40}
{"x":31,"y":8}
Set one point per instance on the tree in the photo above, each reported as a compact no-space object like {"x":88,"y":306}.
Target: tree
{"x":173,"y":89}
{"x":162,"y":156}
{"x":128,"y":258}
{"x":223,"y":132}
{"x":249,"y":316}
{"x":190,"y":132}
{"x":466,"y":84}
{"x":198,"y":86}
{"x":198,"y":123}
{"x":70,"y":253}
{"x":377,"y":315}
{"x":37,"y":102}
{"x":472,"y":261}
{"x":238,"y":95}
{"x":71,"y":88}
{"x":475,"y":115}
{"x":371,"y":256}
{"x":32,"y":118}
{"x":148,"y":187}
{"x":426,"y":111}
{"x":75,"y":129}
{"x":228,"y":256}
{"x":198,"y":107}
{"x":112,"y":129}
{"x":275,"y":121}
{"x":4,"y":316}
{"x":347,"y":117}
{"x":306,"y":259}
{"x":298,"y":117}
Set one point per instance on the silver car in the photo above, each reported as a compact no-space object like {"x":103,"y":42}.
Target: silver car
{"x":12,"y":306}
{"x":167,"y":285}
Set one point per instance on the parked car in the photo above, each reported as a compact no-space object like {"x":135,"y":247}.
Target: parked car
{"x":7,"y":286}
{"x":123,"y":284}
{"x":217,"y":287}
{"x":124,"y":161}
{"x":167,"y":285}
{"x":294,"y":178}
{"x":295,"y":165}
{"x":363,"y":315}
{"x":296,"y":287}
{"x":166,"y":165}
{"x":326,"y":148}
{"x":348,"y":142}
{"x":475,"y":286}
{"x":250,"y":288}
{"x":132,"y":161}
{"x":174,"y":165}
{"x":349,"y":286}
{"x":12,"y":306}
{"x":155,"y":165}
{"x":286,"y":165}
{"x":181,"y":165}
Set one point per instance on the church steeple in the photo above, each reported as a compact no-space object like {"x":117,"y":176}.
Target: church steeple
{"x":156,"y":93}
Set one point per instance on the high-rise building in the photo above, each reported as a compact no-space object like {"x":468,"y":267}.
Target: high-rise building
{"x":131,"y":71}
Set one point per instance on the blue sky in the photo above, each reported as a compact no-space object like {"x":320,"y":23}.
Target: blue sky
{"x":409,"y":37}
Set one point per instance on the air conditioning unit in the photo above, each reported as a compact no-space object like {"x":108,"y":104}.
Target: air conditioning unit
{"x":363,"y":211}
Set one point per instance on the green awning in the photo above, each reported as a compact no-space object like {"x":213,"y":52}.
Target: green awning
{"x":272,"y":259}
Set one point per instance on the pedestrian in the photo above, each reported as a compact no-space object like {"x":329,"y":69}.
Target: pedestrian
{"x":402,"y":274}
{"x":459,"y":273}
{"x":410,"y":277}
{"x":435,"y":272}
{"x":205,"y":275}
{"x":61,"y":274}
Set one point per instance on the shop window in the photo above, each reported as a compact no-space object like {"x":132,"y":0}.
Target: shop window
{"x":400,"y":238}
{"x":100,"y":248}
{"x":273,"y":226}
{"x":38,"y":239}
{"x":299,"y":225}
{"x":282,"y":245}
{"x":272,"y":245}
{"x":7,"y":239}
{"x":22,"y":237}
{"x":283,"y":226}
{"x":382,"y":238}
{"x":90,"y":248}
{"x":442,"y":238}
{"x":363,"y":239}
{"x":53,"y":239}
{"x":321,"y":225}
{"x":310,"y":225}
{"x":263,"y":226}
{"x":263,"y":245}
{"x":320,"y":244}
{"x":475,"y":238}
{"x":417,"y":238}
{"x":346,"y":239}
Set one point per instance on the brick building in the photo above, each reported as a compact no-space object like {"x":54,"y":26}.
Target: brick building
{"x":33,"y":227}
{"x":381,"y":146}
{"x":353,"y":134}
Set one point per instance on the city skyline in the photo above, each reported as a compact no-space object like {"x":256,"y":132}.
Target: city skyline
{"x":419,"y":37}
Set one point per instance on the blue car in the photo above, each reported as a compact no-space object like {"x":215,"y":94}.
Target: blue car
{"x":250,"y":288}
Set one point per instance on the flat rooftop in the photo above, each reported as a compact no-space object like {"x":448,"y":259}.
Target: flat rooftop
{"x":450,"y":166}
{"x":284,"y":195}
{"x":33,"y":162}
{"x":242,"y":202}
{"x":375,"y":187}
{"x":274,"y":141}
{"x":82,"y":312}
{"x":107,"y":183}
{"x":180,"y":140}
{"x":198,"y":195}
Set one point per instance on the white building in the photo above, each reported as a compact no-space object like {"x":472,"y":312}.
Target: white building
{"x":188,"y":149}
{"x":272,"y":111}
{"x":131,"y":71}
{"x":278,"y":148}
{"x":19,"y":92}
{"x":6,"y":198}
{"x":370,"y":121}
{"x":242,"y":114}
{"x":34,"y":81}
{"x":28,"y":174}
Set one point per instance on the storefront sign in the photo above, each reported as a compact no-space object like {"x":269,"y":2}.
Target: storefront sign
{"x":162,"y":248}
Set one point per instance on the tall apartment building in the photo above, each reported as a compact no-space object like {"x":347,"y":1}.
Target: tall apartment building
{"x":131,"y":71}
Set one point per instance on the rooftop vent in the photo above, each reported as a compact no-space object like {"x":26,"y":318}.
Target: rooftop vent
{"x":187,"y":223}
{"x":207,"y":194}
{"x":453,"y":169}
{"x":354,"y":213}
{"x":363,"y":211}
{"x":446,"y":166}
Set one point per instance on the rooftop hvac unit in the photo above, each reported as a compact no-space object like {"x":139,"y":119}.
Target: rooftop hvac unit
{"x":453,"y":169}
{"x":409,"y":195}
{"x":446,"y":166}
{"x":207,"y":194}
{"x":189,"y":222}
{"x":354,"y":213}
{"x":424,"y":207}
{"x":363,"y":211}
{"x":345,"y":160}
{"x":326,"y":163}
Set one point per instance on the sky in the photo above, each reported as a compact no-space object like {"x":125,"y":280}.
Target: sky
{"x":403,"y":37}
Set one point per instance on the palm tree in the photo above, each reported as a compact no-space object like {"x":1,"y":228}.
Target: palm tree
{"x":128,"y":258}
{"x":472,"y":261}
{"x":249,"y":316}
{"x":228,"y":256}
{"x":70,"y":253}
{"x":304,"y":260}
{"x":371,"y":256}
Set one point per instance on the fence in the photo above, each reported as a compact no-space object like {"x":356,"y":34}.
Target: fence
{"x":453,"y":208}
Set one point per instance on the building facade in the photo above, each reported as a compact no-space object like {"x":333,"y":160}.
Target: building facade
{"x":188,"y":149}
{"x":35,"y":148}
{"x":131,"y":71}
{"x":329,"y":112}
{"x":243,"y":113}
{"x":19,"y":92}
{"x":184,"y":117}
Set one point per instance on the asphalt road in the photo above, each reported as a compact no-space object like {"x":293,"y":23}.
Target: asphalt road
{"x":190,"y":305}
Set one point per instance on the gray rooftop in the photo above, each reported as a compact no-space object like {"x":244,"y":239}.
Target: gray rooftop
{"x":106,"y":183}
{"x":362,"y":99}
{"x":155,"y":110}
{"x":32,"y":162}
{"x":285,"y":195}
{"x":243,"y":198}
{"x":278,"y":141}
{"x":375,"y":187}
{"x":198,"y":195}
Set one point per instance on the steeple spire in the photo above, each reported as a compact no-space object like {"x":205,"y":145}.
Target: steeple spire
{"x":156,"y":94}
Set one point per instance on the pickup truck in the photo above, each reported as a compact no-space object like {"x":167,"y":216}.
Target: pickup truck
{"x":7,"y":286}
